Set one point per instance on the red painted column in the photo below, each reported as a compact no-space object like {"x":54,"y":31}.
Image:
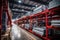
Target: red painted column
{"x":1,"y":9}
{"x":7,"y":11}
{"x":30,"y":23}
{"x":46,"y":19}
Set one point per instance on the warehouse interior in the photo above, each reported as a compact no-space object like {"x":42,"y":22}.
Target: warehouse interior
{"x":29,"y":19}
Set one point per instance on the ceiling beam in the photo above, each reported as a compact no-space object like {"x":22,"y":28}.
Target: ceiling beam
{"x":23,"y":4}
{"x":15,"y":5}
{"x":40,"y":1}
{"x":21,"y":8}
{"x":18,"y":11}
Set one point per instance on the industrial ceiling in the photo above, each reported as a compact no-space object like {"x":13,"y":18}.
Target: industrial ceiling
{"x":21,"y":7}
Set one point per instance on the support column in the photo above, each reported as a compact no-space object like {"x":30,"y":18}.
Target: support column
{"x":1,"y":9}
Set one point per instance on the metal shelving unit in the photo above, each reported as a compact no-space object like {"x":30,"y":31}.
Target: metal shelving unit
{"x":48,"y":15}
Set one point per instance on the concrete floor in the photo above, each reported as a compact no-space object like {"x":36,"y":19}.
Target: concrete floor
{"x":21,"y":34}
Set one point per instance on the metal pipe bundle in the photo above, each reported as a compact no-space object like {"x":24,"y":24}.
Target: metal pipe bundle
{"x":55,"y":23}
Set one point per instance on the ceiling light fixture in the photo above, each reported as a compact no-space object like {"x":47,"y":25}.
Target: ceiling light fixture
{"x":22,"y":10}
{"x":36,"y":5}
{"x":19,"y":1}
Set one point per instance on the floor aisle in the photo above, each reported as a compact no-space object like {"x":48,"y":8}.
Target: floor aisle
{"x":21,"y":34}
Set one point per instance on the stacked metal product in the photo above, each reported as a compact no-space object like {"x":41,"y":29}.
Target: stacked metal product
{"x":55,"y":23}
{"x":41,"y":31}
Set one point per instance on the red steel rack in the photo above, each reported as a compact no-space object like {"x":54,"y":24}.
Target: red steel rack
{"x":48,"y":12}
